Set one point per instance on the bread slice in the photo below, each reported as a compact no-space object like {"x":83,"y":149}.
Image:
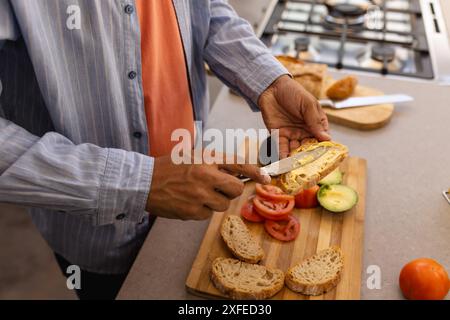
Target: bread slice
{"x":240,"y":241}
{"x":317,"y":274}
{"x":310,"y":174}
{"x":241,"y":280}
{"x":343,"y":88}
{"x":293,"y":65}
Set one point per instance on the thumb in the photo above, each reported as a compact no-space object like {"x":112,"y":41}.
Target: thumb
{"x":248,"y":170}
{"x":320,"y":134}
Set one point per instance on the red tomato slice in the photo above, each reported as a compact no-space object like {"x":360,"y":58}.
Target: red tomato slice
{"x":307,"y":198}
{"x":248,"y":213}
{"x":285,"y":230}
{"x":272,"y":193}
{"x":267,"y":216}
{"x":273,"y":210}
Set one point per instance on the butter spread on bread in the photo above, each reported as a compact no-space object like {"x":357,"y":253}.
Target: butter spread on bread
{"x":310,"y":174}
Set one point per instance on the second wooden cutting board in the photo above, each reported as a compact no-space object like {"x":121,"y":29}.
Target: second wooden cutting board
{"x":361,"y":118}
{"x":319,"y":229}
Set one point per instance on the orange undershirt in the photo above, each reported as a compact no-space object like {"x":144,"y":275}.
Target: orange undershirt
{"x":167,"y":98}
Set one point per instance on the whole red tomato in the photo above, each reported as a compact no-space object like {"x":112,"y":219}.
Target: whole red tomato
{"x":307,"y":198}
{"x":424,"y":279}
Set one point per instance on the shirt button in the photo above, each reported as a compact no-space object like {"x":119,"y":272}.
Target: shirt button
{"x":137,"y":135}
{"x":129,"y":9}
{"x":132,"y":75}
{"x":121,"y":216}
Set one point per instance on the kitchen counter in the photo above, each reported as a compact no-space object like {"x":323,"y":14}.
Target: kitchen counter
{"x":406,"y":214}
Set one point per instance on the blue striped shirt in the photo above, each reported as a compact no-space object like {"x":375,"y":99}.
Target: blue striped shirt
{"x":73,"y":131}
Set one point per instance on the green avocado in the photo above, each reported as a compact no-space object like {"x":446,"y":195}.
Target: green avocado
{"x":337,"y":198}
{"x":334,"y":177}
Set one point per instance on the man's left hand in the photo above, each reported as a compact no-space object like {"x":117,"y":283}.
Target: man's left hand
{"x":287,"y":106}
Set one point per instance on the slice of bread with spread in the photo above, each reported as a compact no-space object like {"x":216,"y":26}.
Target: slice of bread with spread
{"x":310,"y":174}
{"x":240,"y":241}
{"x":317,"y":274}
{"x":241,"y":280}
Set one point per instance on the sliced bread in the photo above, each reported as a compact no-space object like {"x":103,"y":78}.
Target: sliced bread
{"x":317,"y":274}
{"x":343,"y":88}
{"x":310,"y":174}
{"x":241,"y":280}
{"x":240,"y":241}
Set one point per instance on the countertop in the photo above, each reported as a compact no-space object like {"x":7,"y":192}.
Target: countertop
{"x":406,"y":214}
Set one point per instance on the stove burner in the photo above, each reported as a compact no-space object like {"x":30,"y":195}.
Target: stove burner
{"x":343,"y":13}
{"x":378,"y":36}
{"x":301,"y":44}
{"x":379,"y":53}
{"x":347,"y":10}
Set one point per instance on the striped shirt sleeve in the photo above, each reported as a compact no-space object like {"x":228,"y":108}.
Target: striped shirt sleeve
{"x":53,"y":173}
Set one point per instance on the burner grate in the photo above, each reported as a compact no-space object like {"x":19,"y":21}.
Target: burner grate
{"x":393,"y":24}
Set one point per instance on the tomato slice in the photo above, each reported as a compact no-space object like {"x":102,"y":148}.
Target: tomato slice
{"x":307,"y":198}
{"x":272,"y":193}
{"x":272,"y":217}
{"x":284,"y":230}
{"x":248,"y":212}
{"x":273,"y":210}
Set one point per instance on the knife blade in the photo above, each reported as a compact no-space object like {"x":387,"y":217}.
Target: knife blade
{"x":294,"y":162}
{"x":446,"y":194}
{"x":366,"y":101}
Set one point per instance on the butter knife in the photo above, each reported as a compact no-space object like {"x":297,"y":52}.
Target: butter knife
{"x":446,"y":194}
{"x":291,"y":163}
{"x":365,"y":101}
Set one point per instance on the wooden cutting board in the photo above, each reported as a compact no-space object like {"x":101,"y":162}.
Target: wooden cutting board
{"x":362,"y":118}
{"x":319,"y":229}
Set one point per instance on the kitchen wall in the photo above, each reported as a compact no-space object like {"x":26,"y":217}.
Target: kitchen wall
{"x":445,"y":5}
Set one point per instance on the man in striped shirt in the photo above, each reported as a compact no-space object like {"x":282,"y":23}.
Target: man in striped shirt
{"x":90,"y":91}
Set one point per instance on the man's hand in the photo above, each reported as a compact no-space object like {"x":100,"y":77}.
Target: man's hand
{"x":287,"y":106}
{"x":193,"y":192}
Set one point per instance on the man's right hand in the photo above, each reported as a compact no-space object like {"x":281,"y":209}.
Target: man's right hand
{"x":193,"y":192}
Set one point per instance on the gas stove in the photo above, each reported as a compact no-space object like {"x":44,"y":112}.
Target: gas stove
{"x":388,"y":37}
